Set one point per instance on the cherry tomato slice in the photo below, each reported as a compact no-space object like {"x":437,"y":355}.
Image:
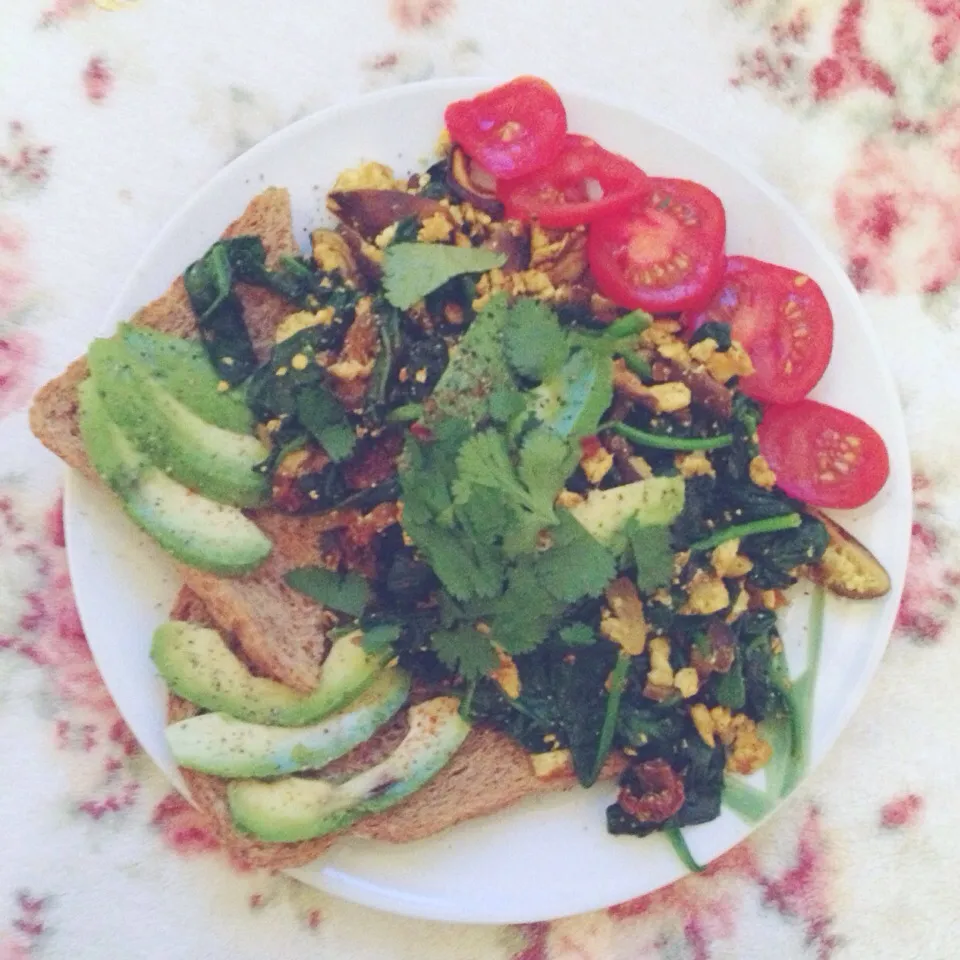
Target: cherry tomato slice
{"x":664,"y":253}
{"x":584,"y":182}
{"x":782,"y":319}
{"x":823,"y":456}
{"x":512,"y":129}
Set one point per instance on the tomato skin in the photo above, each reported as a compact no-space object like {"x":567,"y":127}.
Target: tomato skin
{"x":557,"y":195}
{"x":823,"y":456}
{"x":678,"y":228}
{"x":511,"y":130}
{"x":783,"y":321}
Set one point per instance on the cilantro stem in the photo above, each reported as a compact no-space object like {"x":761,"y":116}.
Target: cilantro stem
{"x":748,"y":802}
{"x":681,"y":849}
{"x":801,"y":696}
{"x":637,"y":364}
{"x":406,"y":413}
{"x":618,"y":680}
{"x":663,"y":442}
{"x":789,"y":521}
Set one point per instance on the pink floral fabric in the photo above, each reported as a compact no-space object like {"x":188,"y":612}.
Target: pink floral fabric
{"x":118,"y":111}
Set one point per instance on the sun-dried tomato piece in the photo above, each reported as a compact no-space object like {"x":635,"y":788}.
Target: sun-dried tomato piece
{"x":651,"y":792}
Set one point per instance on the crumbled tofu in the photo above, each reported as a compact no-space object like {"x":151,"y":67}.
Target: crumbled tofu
{"x":674,"y":350}
{"x":734,"y":362}
{"x":435,"y":229}
{"x":385,"y":236}
{"x":661,"y":673}
{"x":727,"y":561}
{"x":740,"y":605}
{"x":660,"y":332}
{"x":670,"y":397}
{"x":301,"y":320}
{"x":299,"y":361}
{"x":747,"y":751}
{"x":696,"y":464}
{"x":761,"y":473}
{"x":644,"y":470}
{"x":350,"y":369}
{"x":556,"y":763}
{"x":331,"y":252}
{"x":622,"y":620}
{"x":702,"y":720}
{"x":507,"y":675}
{"x":687,"y":682}
{"x":705,"y":595}
{"x":444,"y":145}
{"x":773,"y":599}
{"x":568,"y":499}
{"x":374,"y":176}
{"x":597,"y":465}
{"x":292,"y":462}
{"x":680,"y":561}
{"x":704,"y":350}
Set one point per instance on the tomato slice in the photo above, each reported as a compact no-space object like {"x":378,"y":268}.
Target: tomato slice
{"x":512,"y":129}
{"x":664,"y":253}
{"x":782,"y":319}
{"x":584,"y":182}
{"x":823,"y":456}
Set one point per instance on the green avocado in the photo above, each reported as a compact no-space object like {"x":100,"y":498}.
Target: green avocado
{"x":217,"y":463}
{"x":198,"y":665}
{"x":198,"y":532}
{"x":653,"y":502}
{"x":183,"y":368}
{"x":298,"y":808}
{"x":226,"y":747}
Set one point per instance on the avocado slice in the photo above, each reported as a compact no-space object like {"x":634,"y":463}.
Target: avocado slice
{"x":183,"y":368}
{"x":198,"y":532}
{"x":226,"y":747}
{"x":217,"y":463}
{"x":653,"y":502}
{"x":298,"y":808}
{"x":197,"y":664}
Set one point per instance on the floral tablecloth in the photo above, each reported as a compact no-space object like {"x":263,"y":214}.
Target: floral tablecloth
{"x":112,"y":112}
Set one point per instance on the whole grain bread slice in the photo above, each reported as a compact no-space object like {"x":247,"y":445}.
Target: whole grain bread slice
{"x":488,"y":773}
{"x":281,"y":631}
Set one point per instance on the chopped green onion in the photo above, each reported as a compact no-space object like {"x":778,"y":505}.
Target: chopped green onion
{"x":630,"y":323}
{"x":638,"y":365}
{"x":789,"y":521}
{"x":663,"y":442}
{"x":618,"y":680}
{"x":681,"y":849}
{"x":407,"y":413}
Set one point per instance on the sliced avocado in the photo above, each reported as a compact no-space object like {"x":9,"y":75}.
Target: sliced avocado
{"x":198,"y":665}
{"x":653,"y":502}
{"x":226,"y":747}
{"x":298,"y":808}
{"x":216,"y":463}
{"x":183,"y":368}
{"x":198,"y":532}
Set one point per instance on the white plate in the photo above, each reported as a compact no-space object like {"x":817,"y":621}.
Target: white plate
{"x":551,"y":856}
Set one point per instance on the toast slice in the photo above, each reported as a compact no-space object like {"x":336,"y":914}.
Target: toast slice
{"x":488,"y":773}
{"x":280,"y":631}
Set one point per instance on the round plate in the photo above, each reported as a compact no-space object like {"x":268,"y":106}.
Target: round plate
{"x":550,"y":856}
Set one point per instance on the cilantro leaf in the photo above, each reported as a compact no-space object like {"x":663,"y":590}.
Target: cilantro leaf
{"x":505,"y":403}
{"x":546,"y":461}
{"x":576,"y":565}
{"x":522,"y":617}
{"x":323,"y":416}
{"x":348,"y":593}
{"x":477,"y":371}
{"x":575,"y":398}
{"x":578,"y":635}
{"x":652,"y":554}
{"x":533,"y":340}
{"x":412,"y":270}
{"x":464,"y":650}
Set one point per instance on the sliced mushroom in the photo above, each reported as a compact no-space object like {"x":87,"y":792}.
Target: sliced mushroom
{"x":513,"y":239}
{"x":847,"y":568}
{"x":472,"y":183}
{"x":366,"y":256}
{"x":370,"y":212}
{"x":704,"y":390}
{"x":560,"y":254}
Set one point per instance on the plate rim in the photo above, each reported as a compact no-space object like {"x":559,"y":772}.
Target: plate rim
{"x":895,"y":434}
